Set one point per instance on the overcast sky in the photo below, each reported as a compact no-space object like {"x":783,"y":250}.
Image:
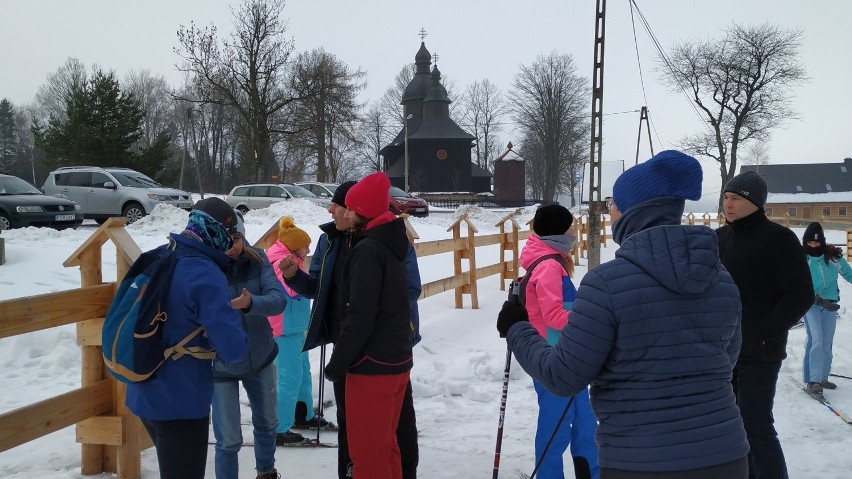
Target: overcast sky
{"x":475,"y":39}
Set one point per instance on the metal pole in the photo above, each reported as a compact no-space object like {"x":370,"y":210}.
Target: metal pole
{"x":410,"y":116}
{"x":595,"y":156}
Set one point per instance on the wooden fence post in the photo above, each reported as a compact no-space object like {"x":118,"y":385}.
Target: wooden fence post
{"x":508,"y":242}
{"x":111,"y":442}
{"x":469,"y":253}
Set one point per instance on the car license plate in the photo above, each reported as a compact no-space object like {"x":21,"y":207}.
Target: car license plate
{"x":185,"y":205}
{"x":420,"y":210}
{"x":65,"y":217}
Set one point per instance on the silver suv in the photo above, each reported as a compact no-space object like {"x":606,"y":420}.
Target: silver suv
{"x":108,"y":192}
{"x":260,"y":195}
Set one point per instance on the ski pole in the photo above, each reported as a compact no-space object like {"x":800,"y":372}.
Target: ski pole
{"x":320,"y":393}
{"x":549,"y":441}
{"x":499,"y":444}
{"x":840,"y":376}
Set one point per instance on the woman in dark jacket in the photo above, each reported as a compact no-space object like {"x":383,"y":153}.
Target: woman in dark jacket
{"x":256,"y":294}
{"x":373,"y":350}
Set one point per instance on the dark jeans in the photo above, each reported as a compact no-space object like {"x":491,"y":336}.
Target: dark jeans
{"x":181,"y":446}
{"x":406,"y":434}
{"x":730,"y":470}
{"x":754,"y":385}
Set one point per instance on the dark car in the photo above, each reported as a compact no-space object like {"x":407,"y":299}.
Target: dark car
{"x":21,"y":204}
{"x":402,"y":202}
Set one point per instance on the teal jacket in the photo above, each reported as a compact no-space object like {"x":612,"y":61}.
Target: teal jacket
{"x":824,"y":276}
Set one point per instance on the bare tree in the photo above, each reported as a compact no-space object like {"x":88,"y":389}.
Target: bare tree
{"x":483,"y":107}
{"x":373,"y":135}
{"x":247,"y":72}
{"x":756,"y":153}
{"x":740,"y":84}
{"x":52,"y":97}
{"x":390,"y":103}
{"x":155,"y":98}
{"x":550,"y":104}
{"x":328,"y":108}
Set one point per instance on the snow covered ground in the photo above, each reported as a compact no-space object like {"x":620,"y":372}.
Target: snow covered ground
{"x":457,"y":376}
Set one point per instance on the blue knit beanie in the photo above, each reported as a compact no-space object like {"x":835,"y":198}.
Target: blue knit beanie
{"x":669,"y":173}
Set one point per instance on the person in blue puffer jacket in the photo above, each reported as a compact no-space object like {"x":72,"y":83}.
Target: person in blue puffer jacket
{"x":656,"y":331}
{"x":174,"y":404}
{"x":256,"y":294}
{"x":826,"y":263}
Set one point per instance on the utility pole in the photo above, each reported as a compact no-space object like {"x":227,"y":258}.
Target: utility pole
{"x":643,"y":116}
{"x":595,"y":156}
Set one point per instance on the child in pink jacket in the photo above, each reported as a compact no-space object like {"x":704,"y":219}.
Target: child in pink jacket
{"x":549,"y":297}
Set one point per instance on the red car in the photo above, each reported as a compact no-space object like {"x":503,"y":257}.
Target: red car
{"x":402,"y":202}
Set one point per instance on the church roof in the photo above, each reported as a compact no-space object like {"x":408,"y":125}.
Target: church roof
{"x":418,"y":87}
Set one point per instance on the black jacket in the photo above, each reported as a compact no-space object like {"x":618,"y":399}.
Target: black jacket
{"x":374,"y":334}
{"x":768,"y":264}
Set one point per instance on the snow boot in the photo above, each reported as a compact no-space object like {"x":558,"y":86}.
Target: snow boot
{"x":273,"y":474}
{"x":289,"y":439}
{"x":826,"y":384}
{"x":814,"y":389}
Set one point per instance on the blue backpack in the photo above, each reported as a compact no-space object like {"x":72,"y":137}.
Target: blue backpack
{"x":132,"y":335}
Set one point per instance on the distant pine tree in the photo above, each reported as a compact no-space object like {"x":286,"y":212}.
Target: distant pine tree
{"x":102,"y":125}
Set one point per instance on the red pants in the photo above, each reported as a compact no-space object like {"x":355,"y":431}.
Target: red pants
{"x":373,"y":404}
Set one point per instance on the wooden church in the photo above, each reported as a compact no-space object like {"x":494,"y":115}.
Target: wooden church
{"x":439,"y":151}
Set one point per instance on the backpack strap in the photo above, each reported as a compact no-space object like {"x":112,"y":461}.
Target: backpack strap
{"x":179,"y":350}
{"x":522,"y":284}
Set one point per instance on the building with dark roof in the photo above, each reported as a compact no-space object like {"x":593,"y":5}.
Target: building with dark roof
{"x":439,"y":151}
{"x":811,"y":191}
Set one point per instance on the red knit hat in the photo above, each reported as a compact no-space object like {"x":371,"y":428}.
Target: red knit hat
{"x":370,"y":197}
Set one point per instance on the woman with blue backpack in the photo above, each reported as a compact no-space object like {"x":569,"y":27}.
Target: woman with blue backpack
{"x":174,"y":403}
{"x":256,"y":294}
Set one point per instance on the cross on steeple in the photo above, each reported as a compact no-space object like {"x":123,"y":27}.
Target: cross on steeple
{"x":435,"y":58}
{"x":422,"y":34}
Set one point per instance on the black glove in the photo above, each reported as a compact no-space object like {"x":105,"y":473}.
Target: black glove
{"x":825,"y":304}
{"x":331,"y":374}
{"x":510,"y":314}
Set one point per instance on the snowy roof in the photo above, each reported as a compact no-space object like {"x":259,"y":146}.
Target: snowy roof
{"x":806,"y":178}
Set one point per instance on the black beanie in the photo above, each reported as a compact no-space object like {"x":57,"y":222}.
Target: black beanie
{"x":339,"y":197}
{"x":552,"y":220}
{"x":813,"y":233}
{"x":220,"y":211}
{"x":750,"y":186}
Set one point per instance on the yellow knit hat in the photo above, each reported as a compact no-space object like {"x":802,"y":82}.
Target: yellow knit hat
{"x":290,"y":235}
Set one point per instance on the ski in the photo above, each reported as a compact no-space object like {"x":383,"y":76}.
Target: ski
{"x":301,"y":427}
{"x":309,"y":443}
{"x":304,"y":428}
{"x":837,"y":412}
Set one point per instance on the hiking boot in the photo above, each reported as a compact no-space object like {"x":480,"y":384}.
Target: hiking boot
{"x":814,"y":389}
{"x":826,"y":384}
{"x":273,"y":474}
{"x":315,"y":423}
{"x":289,"y":438}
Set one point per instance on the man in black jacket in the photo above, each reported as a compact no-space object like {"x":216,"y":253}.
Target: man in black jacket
{"x":768,"y":265}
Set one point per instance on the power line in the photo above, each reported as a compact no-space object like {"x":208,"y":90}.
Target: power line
{"x":666,"y":61}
